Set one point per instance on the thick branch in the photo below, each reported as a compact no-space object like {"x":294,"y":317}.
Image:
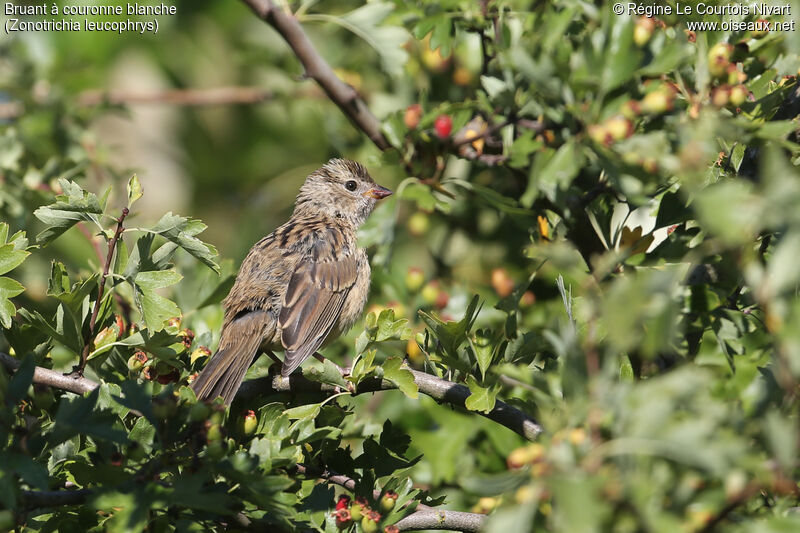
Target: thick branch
{"x":44,"y":376}
{"x":317,"y":68}
{"x":442,"y":520}
{"x":439,"y":389}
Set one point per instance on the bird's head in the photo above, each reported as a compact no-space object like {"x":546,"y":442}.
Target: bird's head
{"x":340,"y":189}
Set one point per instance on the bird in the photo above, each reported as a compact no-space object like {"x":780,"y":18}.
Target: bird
{"x":301,"y":286}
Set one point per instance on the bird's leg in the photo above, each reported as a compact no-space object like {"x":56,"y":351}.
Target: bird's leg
{"x":274,"y":357}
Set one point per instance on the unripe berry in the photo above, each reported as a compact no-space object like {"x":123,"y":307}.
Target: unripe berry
{"x":643,"y":30}
{"x":213,"y":432}
{"x":418,"y":224}
{"x":658,"y":101}
{"x":630,"y":109}
{"x":762,"y":28}
{"x":525,"y":455}
{"x":718,"y":59}
{"x":720,"y":96}
{"x":248,"y":423}
{"x":415,"y":278}
{"x":619,"y":128}
{"x":443,"y":125}
{"x":137,"y":361}
{"x":388,"y":501}
{"x":359,"y":509}
{"x":369,"y":523}
{"x":738,"y":95}
{"x":599,"y":134}
{"x":412,"y":115}
{"x":430,"y":292}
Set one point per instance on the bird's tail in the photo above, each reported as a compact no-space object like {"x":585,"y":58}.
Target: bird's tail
{"x":224,"y":373}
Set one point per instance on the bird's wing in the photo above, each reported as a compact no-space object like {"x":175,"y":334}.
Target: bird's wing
{"x":313,"y":301}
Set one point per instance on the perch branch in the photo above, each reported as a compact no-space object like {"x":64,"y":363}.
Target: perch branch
{"x":439,"y":389}
{"x":343,"y":95}
{"x":57,"y":380}
{"x":442,"y":520}
{"x":87,"y":344}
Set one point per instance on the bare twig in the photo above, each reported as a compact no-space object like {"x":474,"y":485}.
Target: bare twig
{"x":439,"y":389}
{"x":317,"y":68}
{"x":44,"y":376}
{"x":442,"y":520}
{"x":100,"y":288}
{"x":53,"y":498}
{"x":184,"y":97}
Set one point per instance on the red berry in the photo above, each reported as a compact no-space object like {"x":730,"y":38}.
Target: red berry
{"x":391,"y":529}
{"x":343,"y":502}
{"x":443,"y":126}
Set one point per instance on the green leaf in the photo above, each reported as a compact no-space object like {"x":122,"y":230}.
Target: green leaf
{"x":155,"y":308}
{"x":134,"y":190}
{"x":73,"y":206}
{"x":394,"y":371}
{"x":329,"y":374}
{"x":481,"y":398}
{"x":10,"y":257}
{"x":556,"y":174}
{"x":483,"y":347}
{"x":22,"y":379}
{"x":181,"y":231}
{"x":8,"y":289}
{"x":365,"y":22}
{"x":391,"y":329}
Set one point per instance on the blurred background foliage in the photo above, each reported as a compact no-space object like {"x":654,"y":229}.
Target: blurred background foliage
{"x":619,"y":192}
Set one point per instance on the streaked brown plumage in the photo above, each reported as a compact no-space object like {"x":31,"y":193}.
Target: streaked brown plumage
{"x":302,"y":285}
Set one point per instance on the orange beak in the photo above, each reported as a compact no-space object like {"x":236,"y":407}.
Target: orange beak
{"x":378,"y":192}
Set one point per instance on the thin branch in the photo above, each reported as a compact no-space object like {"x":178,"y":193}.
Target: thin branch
{"x":53,"y":498}
{"x":100,"y":288}
{"x":442,"y":520}
{"x":343,"y":481}
{"x":57,"y":380}
{"x":184,"y":97}
{"x":317,"y":68}
{"x":439,"y":389}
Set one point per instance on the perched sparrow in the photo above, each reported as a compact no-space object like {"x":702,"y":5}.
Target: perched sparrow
{"x":302,"y":285}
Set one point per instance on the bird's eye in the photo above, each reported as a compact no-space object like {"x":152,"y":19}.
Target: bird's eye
{"x":350,"y":185}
